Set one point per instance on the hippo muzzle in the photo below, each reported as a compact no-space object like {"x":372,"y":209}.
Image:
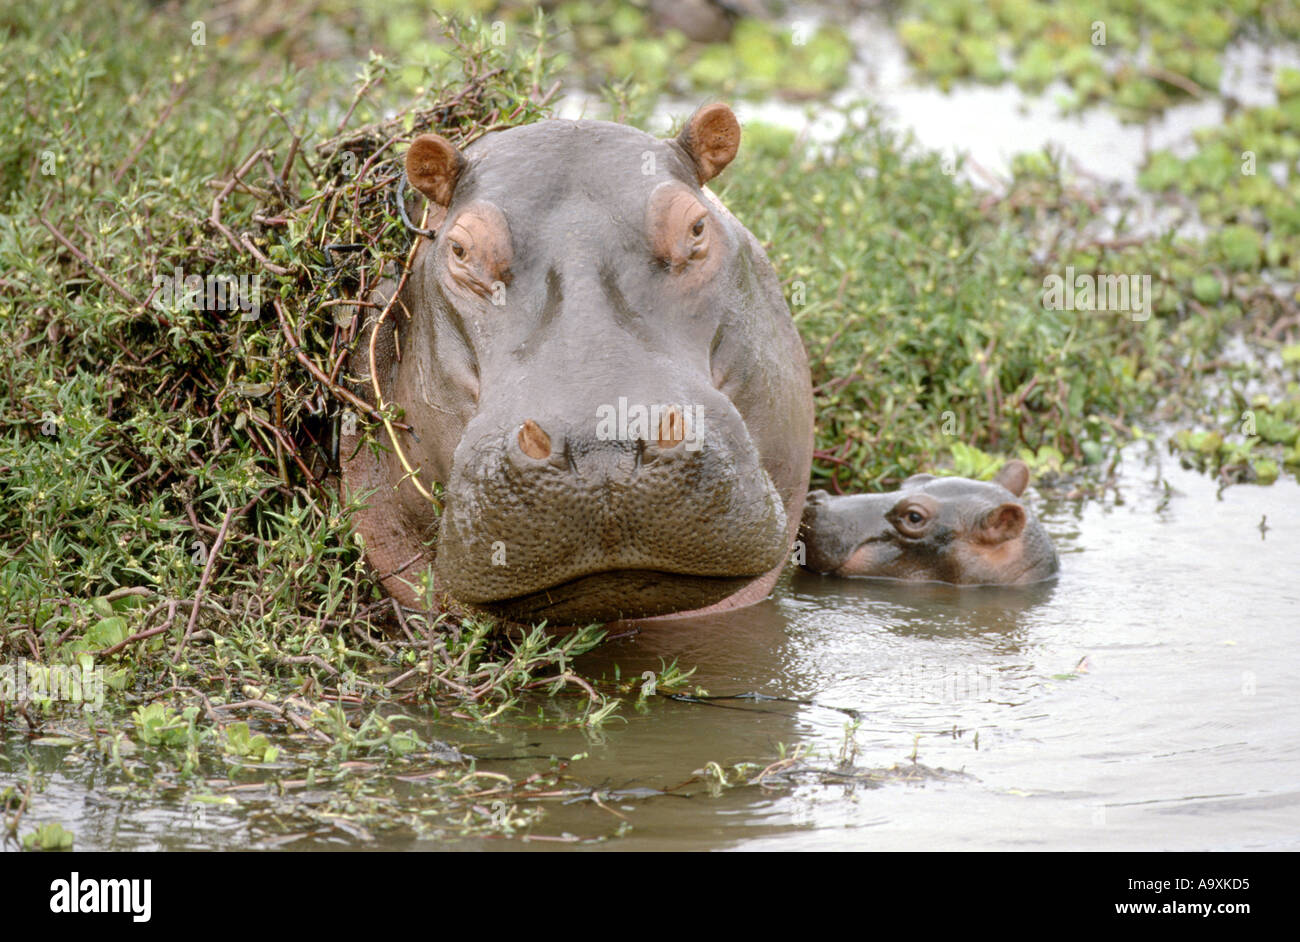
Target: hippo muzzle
{"x":561,"y":517}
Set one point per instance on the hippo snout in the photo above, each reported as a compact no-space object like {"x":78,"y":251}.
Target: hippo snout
{"x":545,"y":519}
{"x":833,"y":527}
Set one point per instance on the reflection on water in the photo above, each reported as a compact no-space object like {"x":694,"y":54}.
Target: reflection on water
{"x":1144,"y":699}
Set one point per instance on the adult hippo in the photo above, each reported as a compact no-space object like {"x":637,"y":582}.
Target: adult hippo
{"x":932,"y":529}
{"x":597,"y":365}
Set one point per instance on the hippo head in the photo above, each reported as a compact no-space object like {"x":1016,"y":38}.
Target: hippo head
{"x":597,"y":364}
{"x":931,"y":529}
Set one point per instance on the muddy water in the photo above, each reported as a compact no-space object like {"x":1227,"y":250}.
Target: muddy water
{"x":1145,"y":699}
{"x":1181,"y":729}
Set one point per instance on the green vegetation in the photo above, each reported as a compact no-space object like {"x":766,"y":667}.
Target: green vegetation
{"x":1241,"y":185}
{"x":921,"y":302}
{"x":1137,"y":56}
{"x":628,"y":43}
{"x":50,"y":836}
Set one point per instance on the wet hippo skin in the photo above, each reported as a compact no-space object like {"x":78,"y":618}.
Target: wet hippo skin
{"x":936,"y":529}
{"x":598,"y":365}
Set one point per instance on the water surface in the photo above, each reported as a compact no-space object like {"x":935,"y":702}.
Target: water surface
{"x":1143,"y":700}
{"x":1180,"y":731}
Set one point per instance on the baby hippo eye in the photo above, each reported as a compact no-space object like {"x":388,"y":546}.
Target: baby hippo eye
{"x":910,"y":520}
{"x":457,"y":249}
{"x":698,"y":228}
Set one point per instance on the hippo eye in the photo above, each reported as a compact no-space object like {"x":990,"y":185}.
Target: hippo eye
{"x":679,"y":231}
{"x":911,"y":520}
{"x":475,"y":252}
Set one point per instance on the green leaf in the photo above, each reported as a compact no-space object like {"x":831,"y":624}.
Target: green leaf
{"x":106,"y":632}
{"x":50,"y":836}
{"x":1207,"y":288}
{"x":970,"y":462}
{"x":1240,"y":246}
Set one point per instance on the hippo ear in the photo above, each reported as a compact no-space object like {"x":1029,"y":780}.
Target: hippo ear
{"x":1014,"y":476}
{"x":711,"y":137}
{"x":433,"y":165}
{"x":1002,"y":523}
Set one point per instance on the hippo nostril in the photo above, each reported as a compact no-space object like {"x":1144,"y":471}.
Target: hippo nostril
{"x":672,"y":428}
{"x":533,"y":442}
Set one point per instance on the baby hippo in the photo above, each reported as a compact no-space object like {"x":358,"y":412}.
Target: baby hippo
{"x":931,"y":529}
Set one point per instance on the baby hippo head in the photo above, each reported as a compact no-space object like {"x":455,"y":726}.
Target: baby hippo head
{"x":932,"y":529}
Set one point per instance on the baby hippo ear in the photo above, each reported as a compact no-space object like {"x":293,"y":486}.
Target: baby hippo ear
{"x":711,"y":137}
{"x":433,"y":165}
{"x":1014,"y":476}
{"x":1002,"y":523}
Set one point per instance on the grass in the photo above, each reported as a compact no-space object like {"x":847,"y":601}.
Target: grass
{"x":168,"y":511}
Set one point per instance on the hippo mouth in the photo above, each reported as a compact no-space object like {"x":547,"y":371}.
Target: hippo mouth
{"x":618,"y":594}
{"x":627,"y":568}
